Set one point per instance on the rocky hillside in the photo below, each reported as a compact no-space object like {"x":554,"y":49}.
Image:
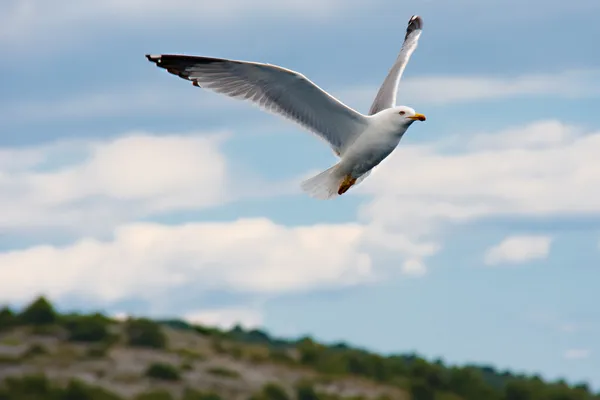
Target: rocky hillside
{"x":46,"y":355}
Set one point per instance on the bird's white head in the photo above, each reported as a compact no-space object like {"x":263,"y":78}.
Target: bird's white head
{"x":406,"y":115}
{"x":400,"y":116}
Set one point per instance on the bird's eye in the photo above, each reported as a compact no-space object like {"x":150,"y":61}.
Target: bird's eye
{"x":401,"y":113}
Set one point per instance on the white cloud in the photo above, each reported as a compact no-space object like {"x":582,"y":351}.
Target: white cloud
{"x":422,"y":186}
{"x":518,"y":249}
{"x":92,"y":187}
{"x":147,"y":260}
{"x":88,"y":188}
{"x":440,"y":90}
{"x":417,"y":190}
{"x":540,"y":135}
{"x":461,"y":89}
{"x":577,"y":354}
{"x":396,"y":240}
{"x":226,"y":318}
{"x":414,"y":267}
{"x":107,"y":181}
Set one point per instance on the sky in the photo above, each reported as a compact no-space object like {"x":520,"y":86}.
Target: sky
{"x":128,"y":190}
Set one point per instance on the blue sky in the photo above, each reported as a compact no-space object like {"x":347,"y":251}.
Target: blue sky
{"x":127,"y":189}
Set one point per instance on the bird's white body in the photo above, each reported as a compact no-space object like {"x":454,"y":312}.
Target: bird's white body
{"x":370,"y":148}
{"x":361,"y":141}
{"x":380,"y":138}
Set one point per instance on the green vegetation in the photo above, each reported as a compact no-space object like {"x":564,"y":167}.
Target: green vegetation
{"x":7,"y":318}
{"x":36,"y":387}
{"x":271,"y":391}
{"x":321,"y":367}
{"x":86,"y":328}
{"x":40,"y":312}
{"x":165,"y":372}
{"x":220,"y":371}
{"x":304,"y":391}
{"x":145,"y":333}
{"x":159,"y":394}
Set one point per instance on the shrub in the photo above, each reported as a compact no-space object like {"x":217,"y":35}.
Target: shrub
{"x":40,"y":312}
{"x":281,"y":356}
{"x":421,"y":391}
{"x":145,"y":333}
{"x":86,"y":328}
{"x":309,"y":352}
{"x":305,"y":391}
{"x":155,"y":395}
{"x":186,"y":366}
{"x":272,"y":391}
{"x":208,"y":331}
{"x":8,"y":319}
{"x":165,"y":372}
{"x":34,"y":387}
{"x":190,"y":354}
{"x":220,"y":371}
{"x":28,"y":387}
{"x":77,"y":390}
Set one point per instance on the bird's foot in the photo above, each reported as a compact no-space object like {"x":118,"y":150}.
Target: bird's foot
{"x":346,"y":184}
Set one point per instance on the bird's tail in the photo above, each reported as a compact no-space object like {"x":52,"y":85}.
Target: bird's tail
{"x":324,"y":185}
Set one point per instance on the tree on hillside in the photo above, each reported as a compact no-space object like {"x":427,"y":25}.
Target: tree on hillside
{"x":271,"y":391}
{"x":86,"y":328}
{"x":518,"y":390}
{"x":40,"y":312}
{"x":145,"y":333}
{"x":420,"y":390}
{"x":432,"y":374}
{"x":77,"y":390}
{"x":162,"y":371}
{"x":8,"y":318}
{"x":305,"y":391}
{"x":309,"y":351}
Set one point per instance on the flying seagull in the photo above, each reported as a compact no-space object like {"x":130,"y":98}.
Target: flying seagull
{"x":360,"y":141}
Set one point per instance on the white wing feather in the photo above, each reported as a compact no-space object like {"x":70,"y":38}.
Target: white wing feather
{"x":275,"y":89}
{"x":386,"y":97}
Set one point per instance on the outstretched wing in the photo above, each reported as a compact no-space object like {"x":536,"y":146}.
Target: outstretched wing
{"x":274,"y":89}
{"x":386,"y":97}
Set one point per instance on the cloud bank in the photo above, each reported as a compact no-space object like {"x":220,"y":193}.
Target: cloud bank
{"x":107,"y":186}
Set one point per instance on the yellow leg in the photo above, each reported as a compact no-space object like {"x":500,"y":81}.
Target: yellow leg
{"x":346,"y":184}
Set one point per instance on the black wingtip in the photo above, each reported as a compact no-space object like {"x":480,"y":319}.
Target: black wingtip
{"x":414,"y":23}
{"x":179,"y":64}
{"x":153,"y":58}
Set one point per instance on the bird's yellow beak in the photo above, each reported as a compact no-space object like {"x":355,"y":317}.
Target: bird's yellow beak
{"x":418,"y":117}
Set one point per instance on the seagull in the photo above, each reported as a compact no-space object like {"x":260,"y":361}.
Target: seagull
{"x":361,"y":142}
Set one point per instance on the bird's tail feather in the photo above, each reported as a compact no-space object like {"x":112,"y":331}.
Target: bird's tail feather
{"x":324,"y":185}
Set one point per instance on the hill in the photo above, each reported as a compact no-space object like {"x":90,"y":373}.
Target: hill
{"x":48,"y":355}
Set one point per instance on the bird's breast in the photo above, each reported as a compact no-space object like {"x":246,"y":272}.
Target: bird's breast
{"x":370,"y":149}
